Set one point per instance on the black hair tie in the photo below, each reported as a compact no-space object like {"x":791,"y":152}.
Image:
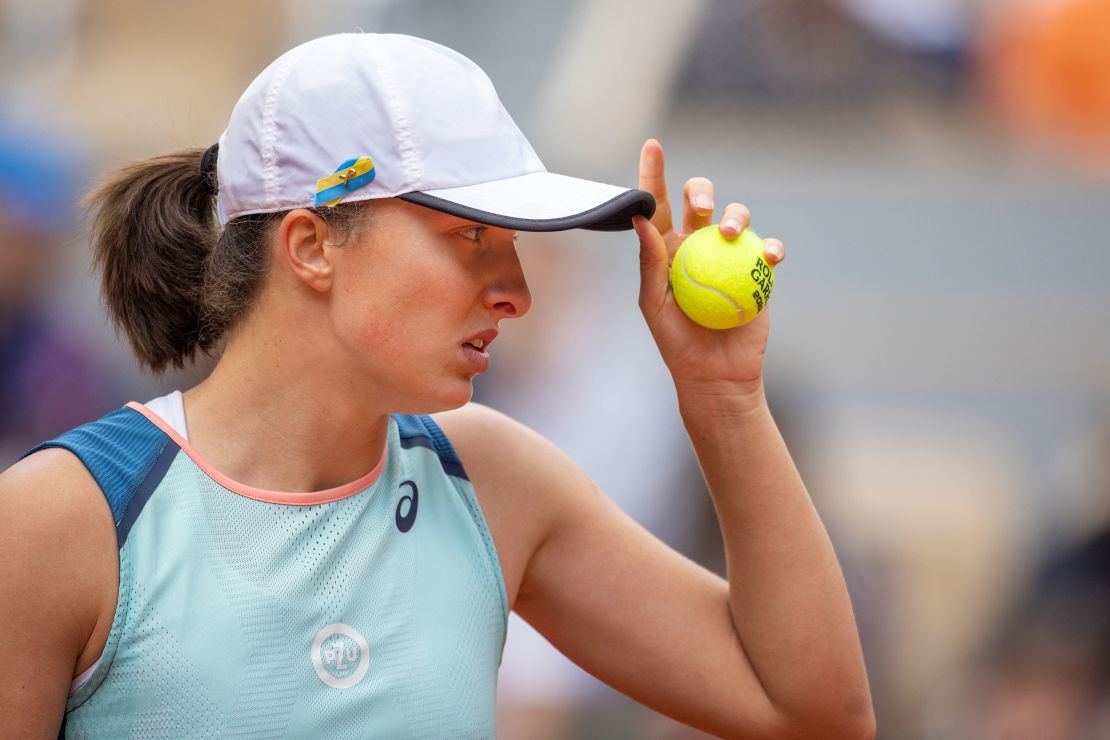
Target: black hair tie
{"x":208,"y":168}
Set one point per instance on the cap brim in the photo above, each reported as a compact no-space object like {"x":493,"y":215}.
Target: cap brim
{"x":541,"y":201}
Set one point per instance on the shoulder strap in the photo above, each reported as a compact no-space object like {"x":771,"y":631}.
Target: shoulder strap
{"x":126,"y":454}
{"x":422,"y":431}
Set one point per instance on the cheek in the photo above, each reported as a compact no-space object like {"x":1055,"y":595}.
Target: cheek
{"x":401,"y":341}
{"x":391,"y":318}
{"x":369,"y":320}
{"x":400,"y":309}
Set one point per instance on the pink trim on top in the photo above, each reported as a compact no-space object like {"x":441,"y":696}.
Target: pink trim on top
{"x":270,"y":497}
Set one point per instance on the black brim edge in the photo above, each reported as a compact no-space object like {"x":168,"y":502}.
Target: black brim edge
{"x":612,"y":215}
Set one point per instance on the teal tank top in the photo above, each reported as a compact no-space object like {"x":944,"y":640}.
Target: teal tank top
{"x":374,"y":610}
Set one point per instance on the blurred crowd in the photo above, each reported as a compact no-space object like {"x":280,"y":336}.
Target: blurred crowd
{"x":51,"y":378}
{"x":940,"y":362}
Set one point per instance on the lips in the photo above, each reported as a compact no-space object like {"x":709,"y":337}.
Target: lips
{"x":474,"y":350}
{"x":482,"y":340}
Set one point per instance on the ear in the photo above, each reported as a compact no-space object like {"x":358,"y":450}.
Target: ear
{"x":301,"y":237}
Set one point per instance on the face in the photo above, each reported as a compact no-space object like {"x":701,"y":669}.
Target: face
{"x":408,"y":296}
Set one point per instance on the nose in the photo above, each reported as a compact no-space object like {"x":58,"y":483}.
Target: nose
{"x":506,"y":295}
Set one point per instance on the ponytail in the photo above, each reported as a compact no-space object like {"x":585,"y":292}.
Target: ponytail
{"x":172,"y":281}
{"x":152,"y":235}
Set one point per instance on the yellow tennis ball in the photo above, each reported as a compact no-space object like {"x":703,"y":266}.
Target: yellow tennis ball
{"x":719,"y":283}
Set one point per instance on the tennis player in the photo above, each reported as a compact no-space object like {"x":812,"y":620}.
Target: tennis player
{"x":324,"y":538}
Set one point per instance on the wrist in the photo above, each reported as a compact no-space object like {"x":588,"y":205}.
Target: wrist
{"x":720,"y":398}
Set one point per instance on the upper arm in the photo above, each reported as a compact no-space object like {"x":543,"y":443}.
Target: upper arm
{"x":611,"y":596}
{"x":58,"y":554}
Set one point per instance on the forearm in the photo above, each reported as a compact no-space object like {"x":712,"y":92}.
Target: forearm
{"x":787,"y":595}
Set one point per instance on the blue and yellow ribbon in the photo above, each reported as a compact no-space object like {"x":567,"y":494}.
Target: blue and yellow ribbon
{"x":350,"y":176}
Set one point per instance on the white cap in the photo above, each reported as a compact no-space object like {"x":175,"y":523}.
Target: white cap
{"x":357,"y":116}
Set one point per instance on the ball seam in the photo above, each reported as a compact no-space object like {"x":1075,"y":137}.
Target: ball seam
{"x":726,"y":296}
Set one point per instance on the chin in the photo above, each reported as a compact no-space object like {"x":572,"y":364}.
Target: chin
{"x":443,"y":397}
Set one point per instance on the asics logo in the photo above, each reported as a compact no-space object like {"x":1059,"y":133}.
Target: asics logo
{"x":406,"y":520}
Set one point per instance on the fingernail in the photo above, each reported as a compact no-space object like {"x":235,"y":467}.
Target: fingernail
{"x":774,"y":248}
{"x":731,"y":223}
{"x":704,"y":202}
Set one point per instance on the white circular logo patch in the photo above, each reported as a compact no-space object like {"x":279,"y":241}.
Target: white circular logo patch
{"x":340,"y":656}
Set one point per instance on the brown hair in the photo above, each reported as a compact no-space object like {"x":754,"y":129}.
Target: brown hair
{"x":173,"y":282}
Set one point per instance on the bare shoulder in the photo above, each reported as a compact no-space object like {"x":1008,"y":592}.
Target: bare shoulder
{"x":489,"y":438}
{"x":58,"y":575}
{"x":510,"y":458}
{"x":53,"y":466}
{"x":50,"y":486}
{"x":520,"y":478}
{"x":56,"y":523}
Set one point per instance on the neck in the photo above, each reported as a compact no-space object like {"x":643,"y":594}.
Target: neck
{"x":271,"y":417}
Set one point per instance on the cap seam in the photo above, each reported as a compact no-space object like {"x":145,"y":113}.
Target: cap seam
{"x":269,"y":129}
{"x":410,"y":152}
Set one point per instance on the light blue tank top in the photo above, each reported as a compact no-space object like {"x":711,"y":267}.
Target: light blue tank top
{"x":380,"y":613}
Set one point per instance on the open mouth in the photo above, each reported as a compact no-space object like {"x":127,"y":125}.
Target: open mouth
{"x":477,"y":344}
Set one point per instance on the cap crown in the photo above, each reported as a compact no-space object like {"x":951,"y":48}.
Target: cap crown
{"x":427,"y":116}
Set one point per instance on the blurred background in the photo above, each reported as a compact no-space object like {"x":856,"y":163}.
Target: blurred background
{"x":940,"y":359}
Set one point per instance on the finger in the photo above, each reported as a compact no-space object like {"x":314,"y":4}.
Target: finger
{"x":654,"y":181}
{"x":735,"y":219}
{"x":697,"y":204}
{"x":654,"y":266}
{"x":774,"y":251}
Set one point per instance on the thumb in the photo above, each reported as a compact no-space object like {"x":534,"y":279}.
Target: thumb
{"x":654,"y":267}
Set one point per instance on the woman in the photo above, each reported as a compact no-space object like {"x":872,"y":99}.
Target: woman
{"x":348,"y":250}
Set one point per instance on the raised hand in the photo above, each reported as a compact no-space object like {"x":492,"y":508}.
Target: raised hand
{"x":728,"y":360}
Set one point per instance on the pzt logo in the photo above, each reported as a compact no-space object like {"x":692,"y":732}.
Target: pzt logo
{"x":406,"y":520}
{"x":340,"y":656}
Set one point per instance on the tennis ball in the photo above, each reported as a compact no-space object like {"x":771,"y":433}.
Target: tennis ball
{"x":719,"y":283}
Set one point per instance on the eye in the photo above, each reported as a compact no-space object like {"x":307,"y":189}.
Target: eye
{"x":474,"y":233}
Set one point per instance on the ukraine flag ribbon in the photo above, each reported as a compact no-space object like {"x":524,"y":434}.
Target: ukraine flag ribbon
{"x":350,"y":176}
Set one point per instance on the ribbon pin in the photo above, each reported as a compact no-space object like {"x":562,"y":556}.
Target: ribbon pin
{"x":349,"y":176}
